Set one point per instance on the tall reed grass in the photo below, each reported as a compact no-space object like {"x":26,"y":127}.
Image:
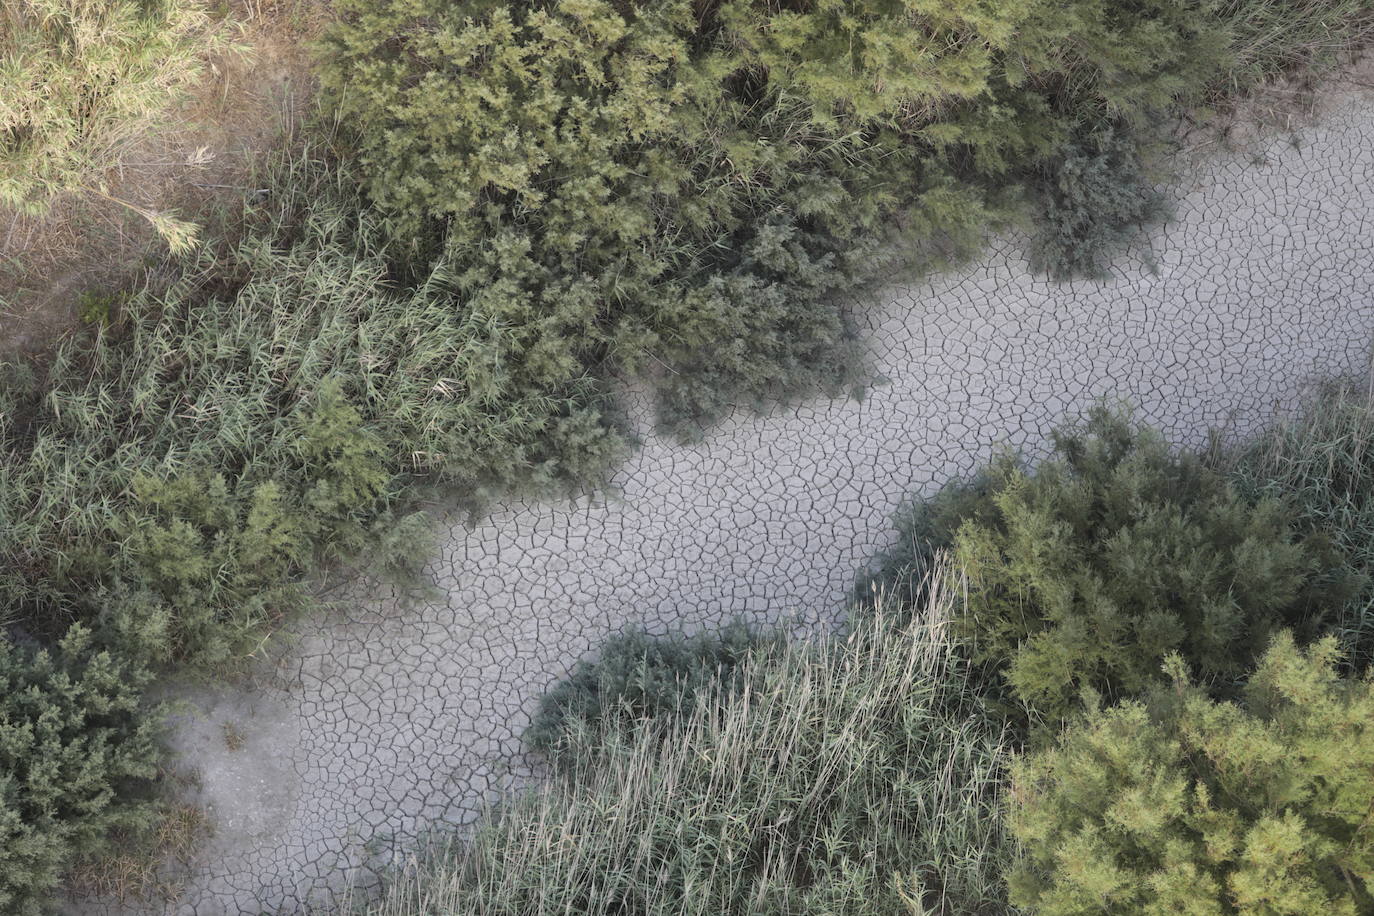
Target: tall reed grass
{"x":246,"y":419}
{"x":1277,"y":38}
{"x":1322,"y":459}
{"x":853,"y":775}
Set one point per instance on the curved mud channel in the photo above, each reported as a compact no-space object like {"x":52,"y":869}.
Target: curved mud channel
{"x":393,"y":717}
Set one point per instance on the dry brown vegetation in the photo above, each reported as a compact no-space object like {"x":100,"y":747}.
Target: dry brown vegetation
{"x":1283,"y":106}
{"x":146,"y":867}
{"x":199,"y":162}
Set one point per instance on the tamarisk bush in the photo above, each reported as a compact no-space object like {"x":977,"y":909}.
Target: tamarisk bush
{"x":1088,"y":570}
{"x":1182,"y":804}
{"x":76,"y":748}
{"x":694,"y":189}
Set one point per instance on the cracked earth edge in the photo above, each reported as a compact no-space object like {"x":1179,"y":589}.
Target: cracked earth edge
{"x":400,"y":717}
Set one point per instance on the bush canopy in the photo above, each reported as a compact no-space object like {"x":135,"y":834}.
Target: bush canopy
{"x":1181,"y":804}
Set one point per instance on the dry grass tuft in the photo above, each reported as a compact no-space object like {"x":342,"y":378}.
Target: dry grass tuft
{"x":233,"y":736}
{"x":80,"y":81}
{"x":145,"y":866}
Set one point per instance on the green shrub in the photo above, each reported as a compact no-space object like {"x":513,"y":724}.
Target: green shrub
{"x":849,"y":776}
{"x":695,"y":188}
{"x":1186,"y":805}
{"x":80,"y":79}
{"x":180,"y":470}
{"x":1322,"y":460}
{"x":1090,"y":570}
{"x":603,"y":195}
{"x":925,"y":532}
{"x":1093,"y":198}
{"x":636,"y":677}
{"x":76,"y":748}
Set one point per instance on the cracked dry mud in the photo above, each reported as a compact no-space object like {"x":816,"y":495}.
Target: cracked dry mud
{"x":400,"y":717}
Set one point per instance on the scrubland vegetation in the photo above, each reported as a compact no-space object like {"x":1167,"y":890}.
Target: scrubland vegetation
{"x":79,"y":81}
{"x":504,"y":208}
{"x":1029,"y":712}
{"x":261,"y":412}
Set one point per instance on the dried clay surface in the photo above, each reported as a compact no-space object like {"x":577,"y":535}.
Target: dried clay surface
{"x":396,"y":717}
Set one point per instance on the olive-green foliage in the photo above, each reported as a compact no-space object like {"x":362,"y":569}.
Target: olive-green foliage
{"x":1093,"y":198}
{"x":636,"y":677}
{"x":694,"y":187}
{"x":1323,"y":461}
{"x":75,"y":745}
{"x":1088,"y":571}
{"x":847,"y":776}
{"x":79,"y":79}
{"x":606,"y":201}
{"x":183,"y":467}
{"x":925,"y":532}
{"x":1185,"y":805}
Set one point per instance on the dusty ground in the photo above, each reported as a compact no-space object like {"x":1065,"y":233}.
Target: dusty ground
{"x":392,"y":717}
{"x":197,"y":159}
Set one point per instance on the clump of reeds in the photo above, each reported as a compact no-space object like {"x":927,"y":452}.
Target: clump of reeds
{"x":852,"y":775}
{"x":80,"y":80}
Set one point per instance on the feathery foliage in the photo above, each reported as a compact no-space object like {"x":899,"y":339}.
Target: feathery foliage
{"x":564,"y":189}
{"x":1088,"y":571}
{"x":1181,"y":804}
{"x":75,"y":745}
{"x":1094,"y":199}
{"x":600,"y":191}
{"x":698,"y":186}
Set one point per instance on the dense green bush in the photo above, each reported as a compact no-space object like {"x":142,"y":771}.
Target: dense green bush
{"x":1093,"y":198}
{"x":636,"y":677}
{"x":698,"y":186}
{"x":180,"y":469}
{"x":1088,"y":571}
{"x":1185,"y":805}
{"x":848,"y":776}
{"x":607,"y":202}
{"x":80,"y":79}
{"x":1323,"y":461}
{"x":75,"y":747}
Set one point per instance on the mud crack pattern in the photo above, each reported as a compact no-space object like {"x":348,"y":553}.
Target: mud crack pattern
{"x":401,"y":717}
